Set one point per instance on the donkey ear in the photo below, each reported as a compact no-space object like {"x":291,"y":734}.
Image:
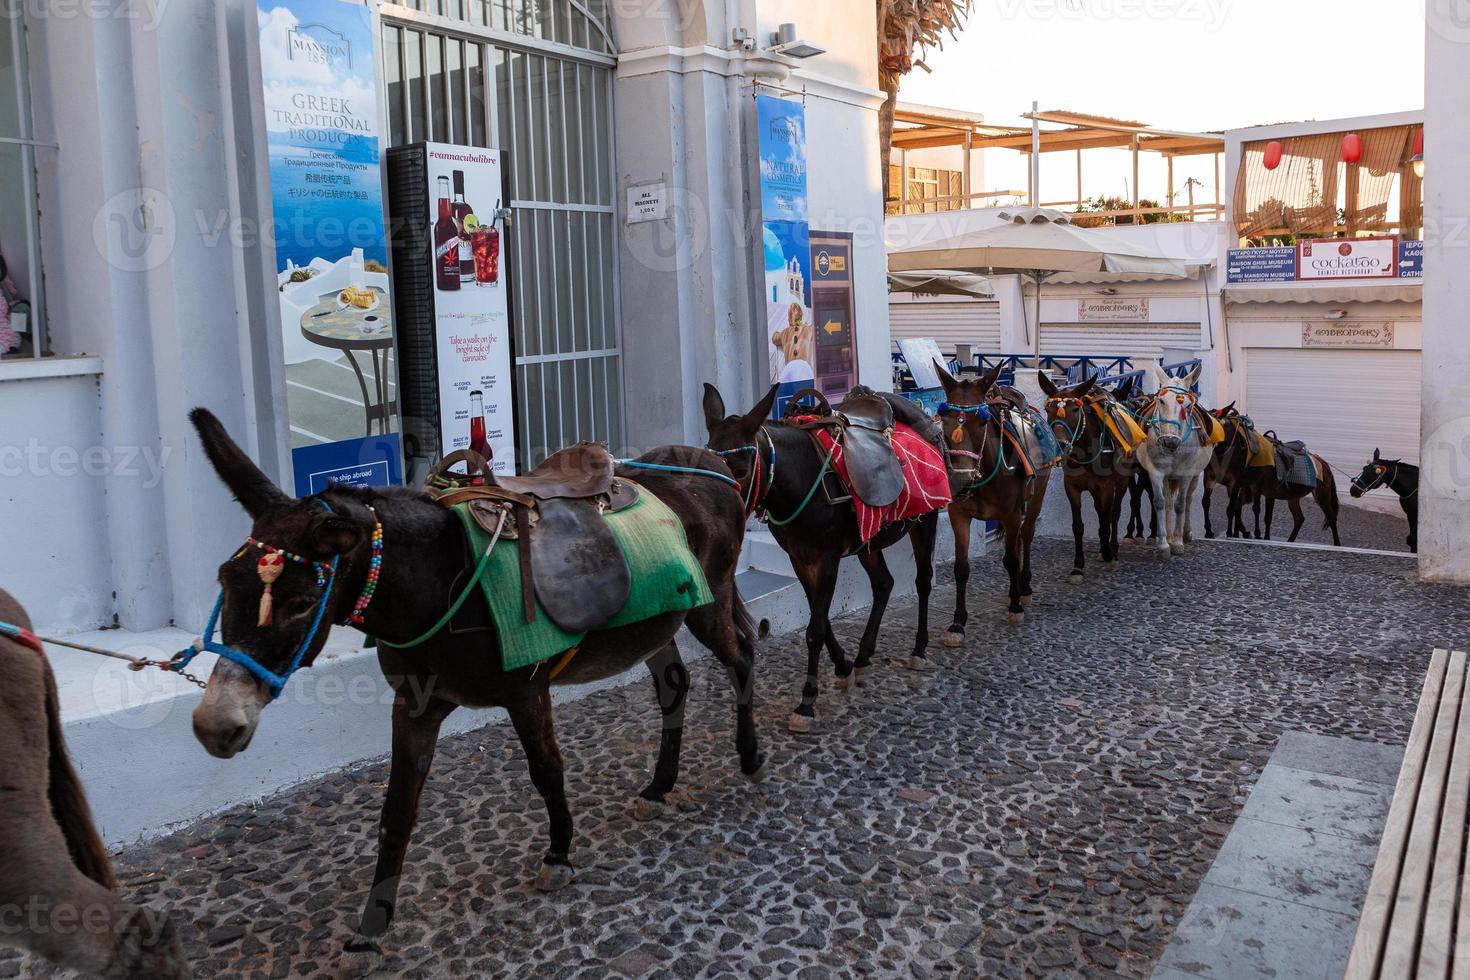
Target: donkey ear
{"x":1084,"y":387}
{"x":334,"y":534}
{"x":252,"y":488}
{"x":714,"y":407}
{"x":759,"y":415}
{"x":1124,"y":391}
{"x":1376,"y":456}
{"x":945,"y":378}
{"x":1161,"y":375}
{"x":1047,"y":384}
{"x":1192,"y":377}
{"x":988,"y":381}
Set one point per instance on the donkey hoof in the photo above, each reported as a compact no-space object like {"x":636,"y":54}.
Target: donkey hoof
{"x":1015,"y":618}
{"x":1152,"y":540}
{"x":859,"y":678}
{"x":844,"y":684}
{"x":645,"y":810}
{"x":1075,"y":578}
{"x":759,"y":774}
{"x":554,"y":877}
{"x":1209,"y":535}
{"x":1176,"y":548}
{"x":916,"y":662}
{"x":800,"y":724}
{"x":360,"y":959}
{"x":954,"y":638}
{"x":1025,"y":600}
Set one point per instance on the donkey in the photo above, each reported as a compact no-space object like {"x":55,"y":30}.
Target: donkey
{"x":990,"y":488}
{"x":782,"y":472}
{"x":1227,"y":469}
{"x":1257,"y":483}
{"x":1400,"y":477}
{"x":1175,"y":454}
{"x":406,"y":554}
{"x":1135,"y":402}
{"x":54,"y":871}
{"x":1095,"y":463}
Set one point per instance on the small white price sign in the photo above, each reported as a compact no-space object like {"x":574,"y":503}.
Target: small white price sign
{"x":646,"y":202}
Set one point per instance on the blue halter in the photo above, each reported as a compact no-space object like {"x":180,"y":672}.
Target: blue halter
{"x":1187,"y":426}
{"x":273,"y":682}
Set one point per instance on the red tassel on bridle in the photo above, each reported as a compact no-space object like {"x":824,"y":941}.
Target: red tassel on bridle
{"x":269,"y":568}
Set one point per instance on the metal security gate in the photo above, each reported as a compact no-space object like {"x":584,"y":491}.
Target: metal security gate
{"x":974,"y":322}
{"x":1119,"y":339}
{"x":533,"y":77}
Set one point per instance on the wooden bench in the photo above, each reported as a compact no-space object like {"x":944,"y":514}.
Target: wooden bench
{"x":1416,"y":917}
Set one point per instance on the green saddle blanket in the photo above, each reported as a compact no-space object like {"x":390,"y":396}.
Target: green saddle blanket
{"x":667,"y":578}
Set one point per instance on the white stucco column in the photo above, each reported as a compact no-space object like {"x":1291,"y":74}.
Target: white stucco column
{"x":1444,"y":492}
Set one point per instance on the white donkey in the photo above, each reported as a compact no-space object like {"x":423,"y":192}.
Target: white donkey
{"x":1180,"y":442}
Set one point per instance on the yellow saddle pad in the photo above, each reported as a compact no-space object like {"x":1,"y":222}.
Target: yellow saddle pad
{"x":1263,"y":452}
{"x":1120,"y":425}
{"x":1215,"y":432}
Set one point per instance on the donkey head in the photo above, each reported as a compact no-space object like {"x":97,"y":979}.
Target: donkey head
{"x":1066,"y":408}
{"x":291,"y":548}
{"x":963,"y":419}
{"x":733,"y":436}
{"x":1375,"y":474}
{"x":1171,"y":414}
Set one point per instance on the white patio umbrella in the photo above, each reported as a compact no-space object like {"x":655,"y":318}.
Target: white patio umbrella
{"x":1035,"y":242}
{"x":942,"y":282}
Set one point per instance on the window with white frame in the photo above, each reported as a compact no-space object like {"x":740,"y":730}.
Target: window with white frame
{"x":22,"y":311}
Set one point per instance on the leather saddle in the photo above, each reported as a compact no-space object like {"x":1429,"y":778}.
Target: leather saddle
{"x":863,"y":424}
{"x":1293,"y":462}
{"x":570,"y":560}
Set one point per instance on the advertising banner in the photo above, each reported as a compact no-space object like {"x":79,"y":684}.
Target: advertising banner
{"x":318,"y":83}
{"x":832,"y":311}
{"x":1411,"y":260}
{"x":1347,"y":258}
{"x":790,"y":334}
{"x":471,"y":315}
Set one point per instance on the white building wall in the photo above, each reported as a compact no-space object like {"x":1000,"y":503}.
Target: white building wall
{"x":1444,"y":490}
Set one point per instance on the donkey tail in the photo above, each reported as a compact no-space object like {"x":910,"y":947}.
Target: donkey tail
{"x":1327,"y":494}
{"x":745,"y":624}
{"x":69,"y":803}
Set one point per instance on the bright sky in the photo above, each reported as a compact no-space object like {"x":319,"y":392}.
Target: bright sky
{"x":1180,"y":64}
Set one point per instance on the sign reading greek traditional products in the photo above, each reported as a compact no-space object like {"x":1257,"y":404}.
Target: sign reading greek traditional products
{"x":790,"y":331}
{"x":832,"y":311}
{"x":318,"y":83}
{"x":471,"y":315}
{"x":1347,"y":258}
{"x":1113,"y":308}
{"x":1347,"y":333}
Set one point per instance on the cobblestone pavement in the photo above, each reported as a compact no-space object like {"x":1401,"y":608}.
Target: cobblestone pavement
{"x":1045,"y":801}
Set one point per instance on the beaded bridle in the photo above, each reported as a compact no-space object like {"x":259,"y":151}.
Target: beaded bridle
{"x":269,"y":567}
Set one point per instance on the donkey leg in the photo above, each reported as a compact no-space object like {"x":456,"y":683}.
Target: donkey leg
{"x":533,"y":723}
{"x":1188,"y":509}
{"x":960,"y":523}
{"x":922,"y":537}
{"x":1270,"y":514}
{"x":1079,"y":560}
{"x":671,"y":686}
{"x":1015,"y":613}
{"x":1102,"y":505}
{"x":880,"y":581}
{"x":1159,"y":500}
{"x":1209,"y":528}
{"x":1297,"y":517}
{"x":820,"y":581}
{"x":734,"y":646}
{"x":415,"y":735}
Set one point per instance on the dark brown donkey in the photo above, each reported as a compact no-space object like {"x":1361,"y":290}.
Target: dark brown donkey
{"x":782,"y":471}
{"x":56,"y":884}
{"x":423,"y":561}
{"x":1259,"y":483}
{"x":990,"y":483}
{"x":1095,"y":463}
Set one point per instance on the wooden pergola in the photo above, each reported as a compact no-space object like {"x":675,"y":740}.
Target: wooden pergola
{"x":919,"y":127}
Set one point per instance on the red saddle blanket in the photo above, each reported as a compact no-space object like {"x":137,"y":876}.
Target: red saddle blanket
{"x":926,"y":482}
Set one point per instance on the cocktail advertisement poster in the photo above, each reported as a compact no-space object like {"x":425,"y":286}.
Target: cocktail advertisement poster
{"x":319,"y":91}
{"x":471,"y":314}
{"x":790,"y":338}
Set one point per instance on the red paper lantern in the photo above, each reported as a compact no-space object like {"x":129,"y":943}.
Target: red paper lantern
{"x":1352,"y":147}
{"x":1419,"y":142}
{"x":1273,"y":155}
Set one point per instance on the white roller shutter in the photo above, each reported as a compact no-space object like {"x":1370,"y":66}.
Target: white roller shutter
{"x":1118,"y":339}
{"x":1342,"y":403}
{"x":976,"y":322}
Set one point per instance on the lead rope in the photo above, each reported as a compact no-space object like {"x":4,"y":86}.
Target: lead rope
{"x":34,"y":640}
{"x":454,"y":607}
